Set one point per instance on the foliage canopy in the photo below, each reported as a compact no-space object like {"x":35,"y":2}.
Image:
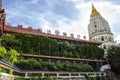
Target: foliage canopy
{"x":114,"y":58}
{"x":30,"y":44}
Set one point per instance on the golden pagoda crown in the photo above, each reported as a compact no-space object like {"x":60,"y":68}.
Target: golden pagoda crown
{"x":94,"y":12}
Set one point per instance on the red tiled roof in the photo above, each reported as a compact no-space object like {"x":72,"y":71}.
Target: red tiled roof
{"x":36,"y":32}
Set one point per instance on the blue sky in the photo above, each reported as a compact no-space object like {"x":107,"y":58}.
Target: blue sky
{"x":71,"y":16}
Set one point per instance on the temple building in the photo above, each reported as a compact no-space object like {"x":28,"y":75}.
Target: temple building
{"x":99,"y":30}
{"x":54,"y":55}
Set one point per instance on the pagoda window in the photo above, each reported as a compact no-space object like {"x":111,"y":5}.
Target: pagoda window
{"x":104,"y":46}
{"x":95,"y":26}
{"x":102,"y":38}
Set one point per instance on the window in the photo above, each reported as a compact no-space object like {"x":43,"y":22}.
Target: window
{"x":102,"y":38}
{"x":95,"y":26}
{"x":104,"y":46}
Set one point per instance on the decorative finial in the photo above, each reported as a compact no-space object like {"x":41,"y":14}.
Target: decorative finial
{"x":94,"y":11}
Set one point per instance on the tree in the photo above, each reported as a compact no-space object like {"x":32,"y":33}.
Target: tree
{"x":10,"y":41}
{"x":10,"y":55}
{"x":114,"y":58}
{"x":3,"y":52}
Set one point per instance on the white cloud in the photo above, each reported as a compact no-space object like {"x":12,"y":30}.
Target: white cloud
{"x":34,"y":1}
{"x":64,"y":25}
{"x":117,"y":38}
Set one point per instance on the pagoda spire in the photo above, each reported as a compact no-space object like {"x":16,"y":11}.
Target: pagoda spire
{"x":94,"y":12}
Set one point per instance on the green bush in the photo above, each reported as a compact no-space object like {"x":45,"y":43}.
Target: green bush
{"x":33,"y":64}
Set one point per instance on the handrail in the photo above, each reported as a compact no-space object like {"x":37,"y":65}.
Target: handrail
{"x":60,"y":58}
{"x":8,"y":63}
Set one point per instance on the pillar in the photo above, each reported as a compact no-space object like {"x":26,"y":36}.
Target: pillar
{"x":26,"y":75}
{"x":57,"y":74}
{"x":42,"y":74}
